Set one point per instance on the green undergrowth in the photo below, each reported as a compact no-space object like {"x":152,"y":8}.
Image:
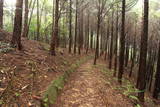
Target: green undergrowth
{"x":46,"y":47}
{"x":57,"y":85}
{"x":5,"y":47}
{"x":127,"y":89}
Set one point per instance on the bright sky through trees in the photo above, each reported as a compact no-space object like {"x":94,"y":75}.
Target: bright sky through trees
{"x":10,"y":2}
{"x":139,"y":4}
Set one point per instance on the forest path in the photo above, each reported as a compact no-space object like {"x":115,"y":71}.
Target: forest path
{"x":87,"y":87}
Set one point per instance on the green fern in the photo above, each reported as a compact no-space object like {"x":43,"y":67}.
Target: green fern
{"x":133,"y":97}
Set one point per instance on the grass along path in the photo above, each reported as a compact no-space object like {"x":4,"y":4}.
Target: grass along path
{"x":88,"y":87}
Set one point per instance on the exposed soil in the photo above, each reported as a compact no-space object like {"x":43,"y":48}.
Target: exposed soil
{"x":28,"y":73}
{"x":88,"y":87}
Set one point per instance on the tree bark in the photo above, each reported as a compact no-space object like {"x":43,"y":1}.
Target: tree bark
{"x":97,"y":42}
{"x":91,"y":43}
{"x":101,"y":42}
{"x":116,"y":45}
{"x":133,"y":58}
{"x":111,"y":46}
{"x":122,"y":44}
{"x":70,"y":26}
{"x":127,"y":54}
{"x":16,"y":38}
{"x":133,"y":53}
{"x":25,"y":19}
{"x":107,"y":40}
{"x":34,"y":2}
{"x":55,"y":29}
{"x":88,"y":34}
{"x":143,"y":54}
{"x":157,"y":78}
{"x":80,"y":32}
{"x":1,"y":13}
{"x":38,"y":21}
{"x":75,"y":38}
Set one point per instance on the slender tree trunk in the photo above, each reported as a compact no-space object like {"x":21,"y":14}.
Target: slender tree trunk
{"x":101,"y":42}
{"x":85,"y":32}
{"x":111,"y":46}
{"x":94,"y":43}
{"x":88,"y":34}
{"x":97,"y":42}
{"x":133,"y":60}
{"x":38,"y":21}
{"x":55,"y":29}
{"x":106,"y":45}
{"x":152,"y":71}
{"x":102,"y":48}
{"x":16,"y":38}
{"x":41,"y":12}
{"x":81,"y":32}
{"x":149,"y":66}
{"x":12,"y":17}
{"x":70,"y":26}
{"x":157,"y":78}
{"x":1,"y":14}
{"x":116,"y":45}
{"x":76,"y":19}
{"x":107,"y":41}
{"x":133,"y":53}
{"x":64,"y":35}
{"x":122,"y":44}
{"x":25,"y":19}
{"x":143,"y":54}
{"x":27,"y":31}
{"x":91,"y":43}
{"x":127,"y":54}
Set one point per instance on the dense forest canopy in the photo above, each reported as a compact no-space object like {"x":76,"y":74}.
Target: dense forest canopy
{"x":10,"y":7}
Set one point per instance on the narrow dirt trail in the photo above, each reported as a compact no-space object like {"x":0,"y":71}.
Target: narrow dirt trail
{"x":87,"y":88}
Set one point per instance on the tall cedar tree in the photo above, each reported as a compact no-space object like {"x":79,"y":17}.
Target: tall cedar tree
{"x":76,"y":19}
{"x":16,"y":38}
{"x":80,"y":31}
{"x":133,"y":52}
{"x":143,"y":53}
{"x":30,"y":18}
{"x":88,"y":24}
{"x":25,"y":19}
{"x":116,"y":44}
{"x":111,"y":46}
{"x":1,"y":13}
{"x":157,"y":81}
{"x":91,"y":41}
{"x":97,"y":41}
{"x":107,"y":40}
{"x":38,"y":21}
{"x":55,"y":28}
{"x":70,"y":26}
{"x":122,"y":44}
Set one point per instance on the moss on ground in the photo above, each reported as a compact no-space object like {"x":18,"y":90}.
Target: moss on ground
{"x":57,"y":85}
